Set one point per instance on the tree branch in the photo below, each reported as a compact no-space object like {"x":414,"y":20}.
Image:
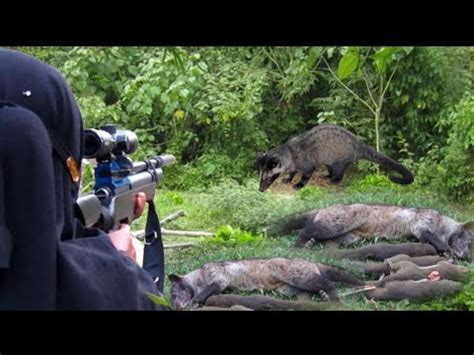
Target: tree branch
{"x":388,"y":82}
{"x":273,"y":60}
{"x":172,"y":217}
{"x":348,"y":88}
{"x":179,"y":245}
{"x":321,"y":56}
{"x":186,"y":233}
{"x":140,"y":235}
{"x":366,"y":80}
{"x":381,"y":87}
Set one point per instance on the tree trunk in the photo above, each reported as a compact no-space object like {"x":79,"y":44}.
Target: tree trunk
{"x":377,"y":134}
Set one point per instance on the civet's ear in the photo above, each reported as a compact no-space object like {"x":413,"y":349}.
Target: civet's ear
{"x":259,"y":156}
{"x":174,"y":278}
{"x":469,"y":226}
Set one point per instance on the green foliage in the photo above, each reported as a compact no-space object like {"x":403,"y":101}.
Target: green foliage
{"x":374,"y":68}
{"x":158,"y":300}
{"x":215,"y":107}
{"x":227,"y":236}
{"x":309,"y":193}
{"x":369,"y":181}
{"x":465,"y":299}
{"x":172,"y":197}
{"x":430,"y":83}
{"x":87,"y":181}
{"x":383,"y":57}
{"x":242,"y":206}
{"x":209,"y":169}
{"x":448,"y":168}
{"x":348,"y":64}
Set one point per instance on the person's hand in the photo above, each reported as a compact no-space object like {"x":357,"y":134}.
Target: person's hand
{"x":122,"y":241}
{"x":140,"y":201}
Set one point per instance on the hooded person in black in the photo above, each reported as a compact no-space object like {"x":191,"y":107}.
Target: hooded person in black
{"x":28,"y":245}
{"x":47,"y":259}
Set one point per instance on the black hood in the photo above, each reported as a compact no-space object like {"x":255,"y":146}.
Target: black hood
{"x":29,"y":83}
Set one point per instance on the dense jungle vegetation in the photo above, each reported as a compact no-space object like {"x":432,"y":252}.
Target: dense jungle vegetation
{"x":215,"y":107}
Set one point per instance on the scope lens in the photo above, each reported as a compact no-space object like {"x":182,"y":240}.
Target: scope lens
{"x":132,"y":142}
{"x":127,"y":141}
{"x":91,"y":144}
{"x":97,"y":143}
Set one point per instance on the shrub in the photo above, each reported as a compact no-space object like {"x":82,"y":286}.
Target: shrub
{"x":230,"y":237}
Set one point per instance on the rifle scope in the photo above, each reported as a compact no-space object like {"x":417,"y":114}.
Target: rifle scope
{"x":101,"y":143}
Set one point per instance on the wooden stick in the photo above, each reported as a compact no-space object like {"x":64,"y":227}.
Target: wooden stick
{"x":172,"y":217}
{"x":179,"y":245}
{"x":265,"y":303}
{"x":358,"y":290}
{"x":140,"y":235}
{"x":186,"y":233}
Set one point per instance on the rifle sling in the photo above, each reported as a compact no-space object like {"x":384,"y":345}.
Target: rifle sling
{"x":154,"y":256}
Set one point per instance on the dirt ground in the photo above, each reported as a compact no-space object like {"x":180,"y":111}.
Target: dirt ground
{"x":316,"y":180}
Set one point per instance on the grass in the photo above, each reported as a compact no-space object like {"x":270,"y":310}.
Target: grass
{"x":248,"y":210}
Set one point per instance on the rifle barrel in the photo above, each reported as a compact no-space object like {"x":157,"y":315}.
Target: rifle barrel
{"x":157,"y":162}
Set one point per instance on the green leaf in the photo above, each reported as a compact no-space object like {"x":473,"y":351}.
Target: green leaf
{"x":158,"y":300}
{"x":178,"y":60}
{"x":347,"y":65}
{"x":209,"y":168}
{"x":314,"y":53}
{"x":184,"y":92}
{"x":202,"y":65}
{"x":383,"y":57}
